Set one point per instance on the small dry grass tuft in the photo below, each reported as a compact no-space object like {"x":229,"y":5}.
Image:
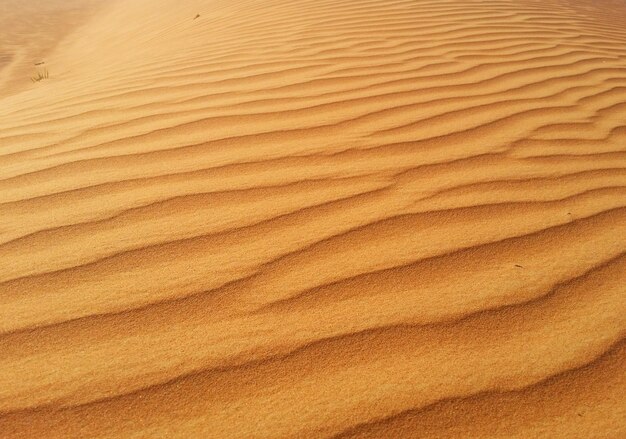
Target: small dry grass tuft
{"x":40,"y":76}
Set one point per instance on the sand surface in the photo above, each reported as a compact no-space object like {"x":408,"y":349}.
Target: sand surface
{"x":313,"y":219}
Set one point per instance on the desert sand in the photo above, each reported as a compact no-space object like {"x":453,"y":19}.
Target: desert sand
{"x":313,"y":219}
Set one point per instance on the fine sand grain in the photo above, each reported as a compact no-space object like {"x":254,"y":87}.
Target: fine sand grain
{"x":313,"y":219}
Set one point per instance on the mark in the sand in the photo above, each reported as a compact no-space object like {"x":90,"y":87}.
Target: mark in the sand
{"x":40,"y":76}
{"x":197,"y":16}
{"x":518,"y":266}
{"x":40,"y":63}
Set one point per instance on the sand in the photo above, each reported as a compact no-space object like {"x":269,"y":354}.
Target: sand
{"x":313,"y":219}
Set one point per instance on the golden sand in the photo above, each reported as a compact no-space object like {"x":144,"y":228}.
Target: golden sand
{"x":313,"y":219}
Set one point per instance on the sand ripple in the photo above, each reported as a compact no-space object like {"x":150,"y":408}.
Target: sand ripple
{"x":298,"y":218}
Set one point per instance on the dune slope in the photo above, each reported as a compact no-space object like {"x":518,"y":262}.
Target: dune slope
{"x":298,"y":218}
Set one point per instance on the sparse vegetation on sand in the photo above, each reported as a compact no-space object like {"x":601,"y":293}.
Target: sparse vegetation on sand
{"x":40,"y":76}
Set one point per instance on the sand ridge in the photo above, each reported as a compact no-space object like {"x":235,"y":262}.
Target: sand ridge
{"x":353,"y":218}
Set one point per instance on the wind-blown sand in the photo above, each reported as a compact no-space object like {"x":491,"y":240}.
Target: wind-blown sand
{"x":313,"y":218}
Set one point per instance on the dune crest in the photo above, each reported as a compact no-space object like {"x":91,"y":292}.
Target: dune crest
{"x":298,"y":218}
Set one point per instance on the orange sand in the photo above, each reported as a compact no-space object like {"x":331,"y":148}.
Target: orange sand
{"x":313,"y":219}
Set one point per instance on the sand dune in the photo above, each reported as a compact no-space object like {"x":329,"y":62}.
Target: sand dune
{"x":298,"y":218}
